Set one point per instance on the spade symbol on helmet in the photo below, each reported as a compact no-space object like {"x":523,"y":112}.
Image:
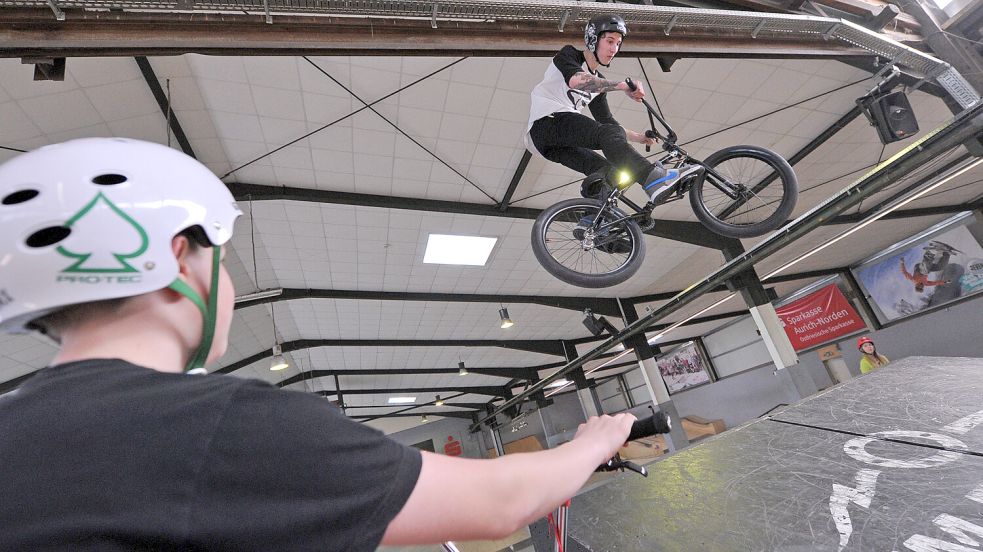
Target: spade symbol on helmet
{"x":105,"y":227}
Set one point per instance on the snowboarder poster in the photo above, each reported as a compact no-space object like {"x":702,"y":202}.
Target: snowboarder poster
{"x":930,"y":273}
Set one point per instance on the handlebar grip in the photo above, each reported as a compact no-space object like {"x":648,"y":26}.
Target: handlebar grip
{"x":653,"y":425}
{"x":631,"y":84}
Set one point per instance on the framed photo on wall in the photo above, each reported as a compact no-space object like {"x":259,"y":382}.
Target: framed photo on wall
{"x":684,"y":367}
{"x":932,"y":269}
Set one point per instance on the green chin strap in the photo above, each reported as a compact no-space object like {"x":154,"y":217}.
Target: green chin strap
{"x":208,"y":311}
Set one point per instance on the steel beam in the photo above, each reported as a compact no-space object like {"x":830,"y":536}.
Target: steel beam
{"x":465,"y":414}
{"x":516,"y":177}
{"x":31,"y":32}
{"x":543,"y":346}
{"x":475,"y":390}
{"x":529,"y":373}
{"x":164,"y":102}
{"x":692,"y":233}
{"x":470,"y":406}
{"x":601,"y":305}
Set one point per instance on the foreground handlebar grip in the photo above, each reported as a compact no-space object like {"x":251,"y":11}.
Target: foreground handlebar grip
{"x":653,"y":425}
{"x":631,"y":84}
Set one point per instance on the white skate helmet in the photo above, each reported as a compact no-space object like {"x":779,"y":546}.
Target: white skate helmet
{"x":93,"y":219}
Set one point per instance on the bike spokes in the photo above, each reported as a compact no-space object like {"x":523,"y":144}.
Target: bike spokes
{"x":587,"y":248}
{"x":749,"y":193}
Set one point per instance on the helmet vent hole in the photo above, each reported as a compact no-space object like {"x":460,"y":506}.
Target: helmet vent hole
{"x":109,"y":179}
{"x":20,"y":196}
{"x":48,"y":236}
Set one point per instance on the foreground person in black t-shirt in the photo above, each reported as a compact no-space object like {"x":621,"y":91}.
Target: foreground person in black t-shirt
{"x":114,"y":248}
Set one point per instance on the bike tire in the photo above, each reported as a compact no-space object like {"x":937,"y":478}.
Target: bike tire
{"x":563,"y":256}
{"x":760,"y":212}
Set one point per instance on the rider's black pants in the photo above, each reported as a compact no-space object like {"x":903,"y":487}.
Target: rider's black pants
{"x":571,"y":139}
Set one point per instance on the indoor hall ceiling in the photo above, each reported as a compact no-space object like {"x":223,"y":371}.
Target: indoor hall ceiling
{"x":470,"y":113}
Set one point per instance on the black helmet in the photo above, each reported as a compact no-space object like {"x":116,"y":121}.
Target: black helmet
{"x":600,"y":25}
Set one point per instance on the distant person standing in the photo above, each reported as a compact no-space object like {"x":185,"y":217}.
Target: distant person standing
{"x":871,"y":358}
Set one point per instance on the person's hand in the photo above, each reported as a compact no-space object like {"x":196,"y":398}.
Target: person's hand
{"x":606,"y":433}
{"x":639,"y":137}
{"x":637,"y":94}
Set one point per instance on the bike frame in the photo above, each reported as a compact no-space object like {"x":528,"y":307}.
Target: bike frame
{"x":674,"y":156}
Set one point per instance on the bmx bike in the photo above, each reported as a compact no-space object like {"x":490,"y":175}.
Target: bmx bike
{"x":739,"y":192}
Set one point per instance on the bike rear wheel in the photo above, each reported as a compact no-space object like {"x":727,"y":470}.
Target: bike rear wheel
{"x":603,"y":257}
{"x":764,"y":183}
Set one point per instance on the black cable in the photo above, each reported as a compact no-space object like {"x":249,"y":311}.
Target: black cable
{"x":353,"y":113}
{"x":414,"y":407}
{"x":648,"y":83}
{"x":252,"y":237}
{"x":751,"y":120}
{"x":915,"y":173}
{"x":545,"y":191}
{"x":401,"y":131}
{"x":953,"y":188}
{"x":880,"y":158}
{"x":8,"y":148}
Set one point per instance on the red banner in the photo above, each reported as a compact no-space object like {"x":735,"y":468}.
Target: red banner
{"x":818,"y":318}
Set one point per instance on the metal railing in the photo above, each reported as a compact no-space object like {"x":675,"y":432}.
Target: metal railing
{"x":723,"y":23}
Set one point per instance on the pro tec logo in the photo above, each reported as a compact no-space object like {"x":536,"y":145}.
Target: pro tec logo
{"x":112,"y":238}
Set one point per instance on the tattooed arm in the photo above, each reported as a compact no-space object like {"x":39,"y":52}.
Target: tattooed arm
{"x":586,"y":82}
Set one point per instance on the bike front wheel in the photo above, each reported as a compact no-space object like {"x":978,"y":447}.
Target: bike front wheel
{"x":603,"y":256}
{"x":756,"y":195}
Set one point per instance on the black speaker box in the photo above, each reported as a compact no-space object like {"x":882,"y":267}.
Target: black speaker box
{"x":892,"y":115}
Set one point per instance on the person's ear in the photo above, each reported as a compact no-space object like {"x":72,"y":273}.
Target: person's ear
{"x":182,"y":249}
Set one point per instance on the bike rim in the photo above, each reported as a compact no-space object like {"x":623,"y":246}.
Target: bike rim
{"x":571,"y":253}
{"x":761,"y":190}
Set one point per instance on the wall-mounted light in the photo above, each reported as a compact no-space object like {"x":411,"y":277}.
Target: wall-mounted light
{"x":506,"y":321}
{"x":278,"y":363}
{"x":424,"y":419}
{"x":461,"y":369}
{"x":257,"y":295}
{"x":438,"y":402}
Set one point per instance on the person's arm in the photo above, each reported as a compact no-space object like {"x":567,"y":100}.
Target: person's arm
{"x":569,"y":61}
{"x":465,"y":499}
{"x":904,"y":271}
{"x":601,"y":112}
{"x":586,"y":82}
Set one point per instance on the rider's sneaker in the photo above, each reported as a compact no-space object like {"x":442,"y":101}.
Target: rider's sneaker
{"x":594,"y":186}
{"x":655,"y":185}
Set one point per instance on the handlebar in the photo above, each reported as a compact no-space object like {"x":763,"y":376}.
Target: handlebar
{"x":655,"y":424}
{"x":670,"y":138}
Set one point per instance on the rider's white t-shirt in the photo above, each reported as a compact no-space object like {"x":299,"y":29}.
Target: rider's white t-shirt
{"x":554,"y":95}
